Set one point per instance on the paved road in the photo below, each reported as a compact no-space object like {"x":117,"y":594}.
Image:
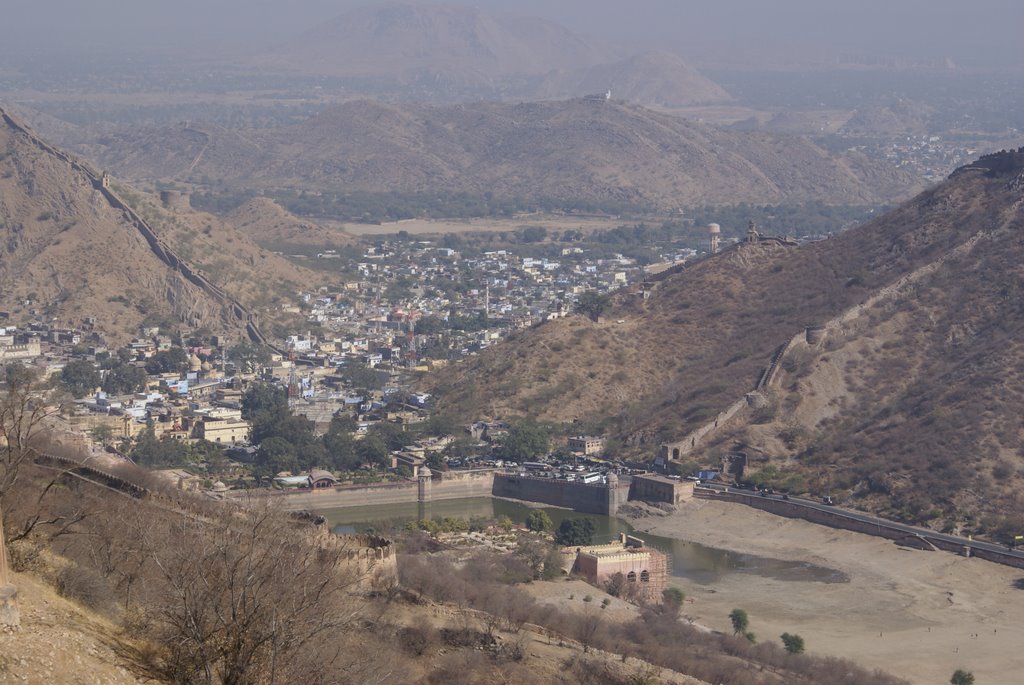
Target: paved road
{"x":881,"y":523}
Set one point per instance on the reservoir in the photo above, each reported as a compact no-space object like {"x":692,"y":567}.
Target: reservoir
{"x":698,"y":563}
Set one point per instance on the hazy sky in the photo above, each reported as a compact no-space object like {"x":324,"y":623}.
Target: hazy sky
{"x":971,"y":32}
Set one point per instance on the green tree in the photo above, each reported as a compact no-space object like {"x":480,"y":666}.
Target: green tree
{"x":80,"y":378}
{"x":740,"y":621}
{"x":364,"y":378}
{"x":391,"y":434}
{"x":962,"y":677}
{"x":673,"y":598}
{"x":440,"y":424}
{"x":266,"y":406}
{"x":151,"y":451}
{"x":538,"y":521}
{"x":102,"y":433}
{"x":592,"y":304}
{"x":526,"y":440}
{"x":123,"y":379}
{"x":249,"y":357}
{"x":276,"y":455}
{"x":174,"y":360}
{"x":340,"y":445}
{"x":372,"y":450}
{"x":575,"y":532}
{"x":794,"y":644}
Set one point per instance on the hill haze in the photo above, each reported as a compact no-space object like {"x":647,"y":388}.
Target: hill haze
{"x":655,"y":78}
{"x":438,"y":45}
{"x":560,"y":155}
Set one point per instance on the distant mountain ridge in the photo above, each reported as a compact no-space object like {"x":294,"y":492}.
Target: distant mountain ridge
{"x":657,"y":78}
{"x":559,"y":152}
{"x":409,"y":42}
{"x":445,"y":53}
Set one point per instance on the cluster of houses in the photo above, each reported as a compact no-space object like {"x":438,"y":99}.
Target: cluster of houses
{"x":470,"y":302}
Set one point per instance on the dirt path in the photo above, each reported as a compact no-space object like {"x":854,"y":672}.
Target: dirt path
{"x":919,"y":615}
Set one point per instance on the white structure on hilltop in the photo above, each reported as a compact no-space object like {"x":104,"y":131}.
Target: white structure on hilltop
{"x":714,"y":234}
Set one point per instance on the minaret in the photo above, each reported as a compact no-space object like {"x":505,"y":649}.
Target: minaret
{"x":715,"y":234}
{"x":487,"y":301}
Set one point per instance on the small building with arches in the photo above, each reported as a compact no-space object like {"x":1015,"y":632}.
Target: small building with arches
{"x":644,"y":570}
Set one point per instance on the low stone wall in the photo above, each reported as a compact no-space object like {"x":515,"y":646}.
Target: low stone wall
{"x":838,"y":519}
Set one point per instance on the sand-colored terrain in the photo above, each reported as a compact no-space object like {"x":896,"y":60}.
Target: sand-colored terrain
{"x":59,"y":643}
{"x":916,"y":614}
{"x":552,"y":222}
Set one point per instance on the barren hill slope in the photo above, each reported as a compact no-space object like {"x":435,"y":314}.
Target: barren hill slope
{"x":650,"y":78}
{"x":558,"y":153}
{"x":911,"y":402}
{"x":73,"y":250}
{"x":268,"y":223}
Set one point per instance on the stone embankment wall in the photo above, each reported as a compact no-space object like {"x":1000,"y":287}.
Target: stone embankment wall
{"x":581,"y":497}
{"x":837,"y":518}
{"x":446,"y":486}
{"x":596,"y":498}
{"x":232,"y":307}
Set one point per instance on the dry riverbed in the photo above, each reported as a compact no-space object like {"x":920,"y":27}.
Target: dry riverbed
{"x":916,"y":614}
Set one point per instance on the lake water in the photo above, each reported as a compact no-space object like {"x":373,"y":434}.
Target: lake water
{"x":697,"y":563}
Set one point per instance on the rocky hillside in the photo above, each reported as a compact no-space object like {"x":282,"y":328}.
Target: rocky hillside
{"x":74,"y":249}
{"x":564,"y":154}
{"x":911,"y":402}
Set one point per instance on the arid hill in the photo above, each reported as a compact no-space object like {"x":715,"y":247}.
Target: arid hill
{"x":268,"y":223}
{"x":561,"y":154}
{"x":910,"y":403}
{"x":73,"y":249}
{"x":650,"y":78}
{"x":899,"y":117}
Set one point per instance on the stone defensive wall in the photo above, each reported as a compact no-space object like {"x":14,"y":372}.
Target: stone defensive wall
{"x":159,"y":248}
{"x":837,"y":518}
{"x":370,"y":558}
{"x":596,"y":498}
{"x":812,"y":336}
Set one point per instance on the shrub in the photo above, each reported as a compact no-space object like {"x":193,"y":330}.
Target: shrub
{"x":85,"y":586}
{"x":794,"y":644}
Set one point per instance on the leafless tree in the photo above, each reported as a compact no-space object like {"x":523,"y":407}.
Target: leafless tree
{"x":251,"y":599}
{"x":23,"y":412}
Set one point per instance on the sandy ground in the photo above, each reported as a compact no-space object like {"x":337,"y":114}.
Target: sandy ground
{"x":424,"y":226}
{"x":916,"y":614}
{"x":60,"y":644}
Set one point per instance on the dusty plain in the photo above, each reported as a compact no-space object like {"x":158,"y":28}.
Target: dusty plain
{"x":916,"y":614}
{"x":552,"y":222}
